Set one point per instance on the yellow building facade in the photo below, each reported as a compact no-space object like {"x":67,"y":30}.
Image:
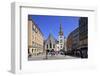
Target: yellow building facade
{"x":35,"y":38}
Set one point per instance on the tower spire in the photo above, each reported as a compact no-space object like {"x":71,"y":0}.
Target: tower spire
{"x":60,"y":32}
{"x":60,"y":28}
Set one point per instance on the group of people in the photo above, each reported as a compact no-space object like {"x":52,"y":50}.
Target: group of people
{"x":53,"y":52}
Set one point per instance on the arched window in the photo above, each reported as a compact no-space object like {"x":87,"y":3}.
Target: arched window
{"x":47,"y":46}
{"x":50,"y":45}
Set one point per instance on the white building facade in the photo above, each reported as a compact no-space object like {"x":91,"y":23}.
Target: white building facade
{"x":50,"y":43}
{"x":61,"y":39}
{"x":56,"y":45}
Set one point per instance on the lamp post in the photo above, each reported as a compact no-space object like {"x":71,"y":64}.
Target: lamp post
{"x":46,"y":54}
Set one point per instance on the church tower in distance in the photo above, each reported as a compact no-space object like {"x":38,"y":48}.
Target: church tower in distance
{"x":61,"y":38}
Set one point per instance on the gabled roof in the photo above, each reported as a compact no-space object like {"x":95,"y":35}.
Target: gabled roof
{"x":50,"y":37}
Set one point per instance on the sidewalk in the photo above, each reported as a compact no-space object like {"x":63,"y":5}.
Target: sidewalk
{"x":53,"y":57}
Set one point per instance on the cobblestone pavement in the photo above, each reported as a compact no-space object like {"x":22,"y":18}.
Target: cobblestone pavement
{"x":49,"y":57}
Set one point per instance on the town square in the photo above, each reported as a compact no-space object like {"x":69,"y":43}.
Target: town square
{"x":57,"y":37}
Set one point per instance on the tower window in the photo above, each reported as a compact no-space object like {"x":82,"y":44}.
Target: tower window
{"x":60,"y":36}
{"x":60,"y":41}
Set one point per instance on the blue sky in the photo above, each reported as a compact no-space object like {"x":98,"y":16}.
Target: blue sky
{"x":51,"y":24}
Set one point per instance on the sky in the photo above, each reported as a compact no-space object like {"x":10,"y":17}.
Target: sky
{"x":51,"y":24}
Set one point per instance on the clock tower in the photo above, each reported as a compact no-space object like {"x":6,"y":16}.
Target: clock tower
{"x":61,"y":38}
